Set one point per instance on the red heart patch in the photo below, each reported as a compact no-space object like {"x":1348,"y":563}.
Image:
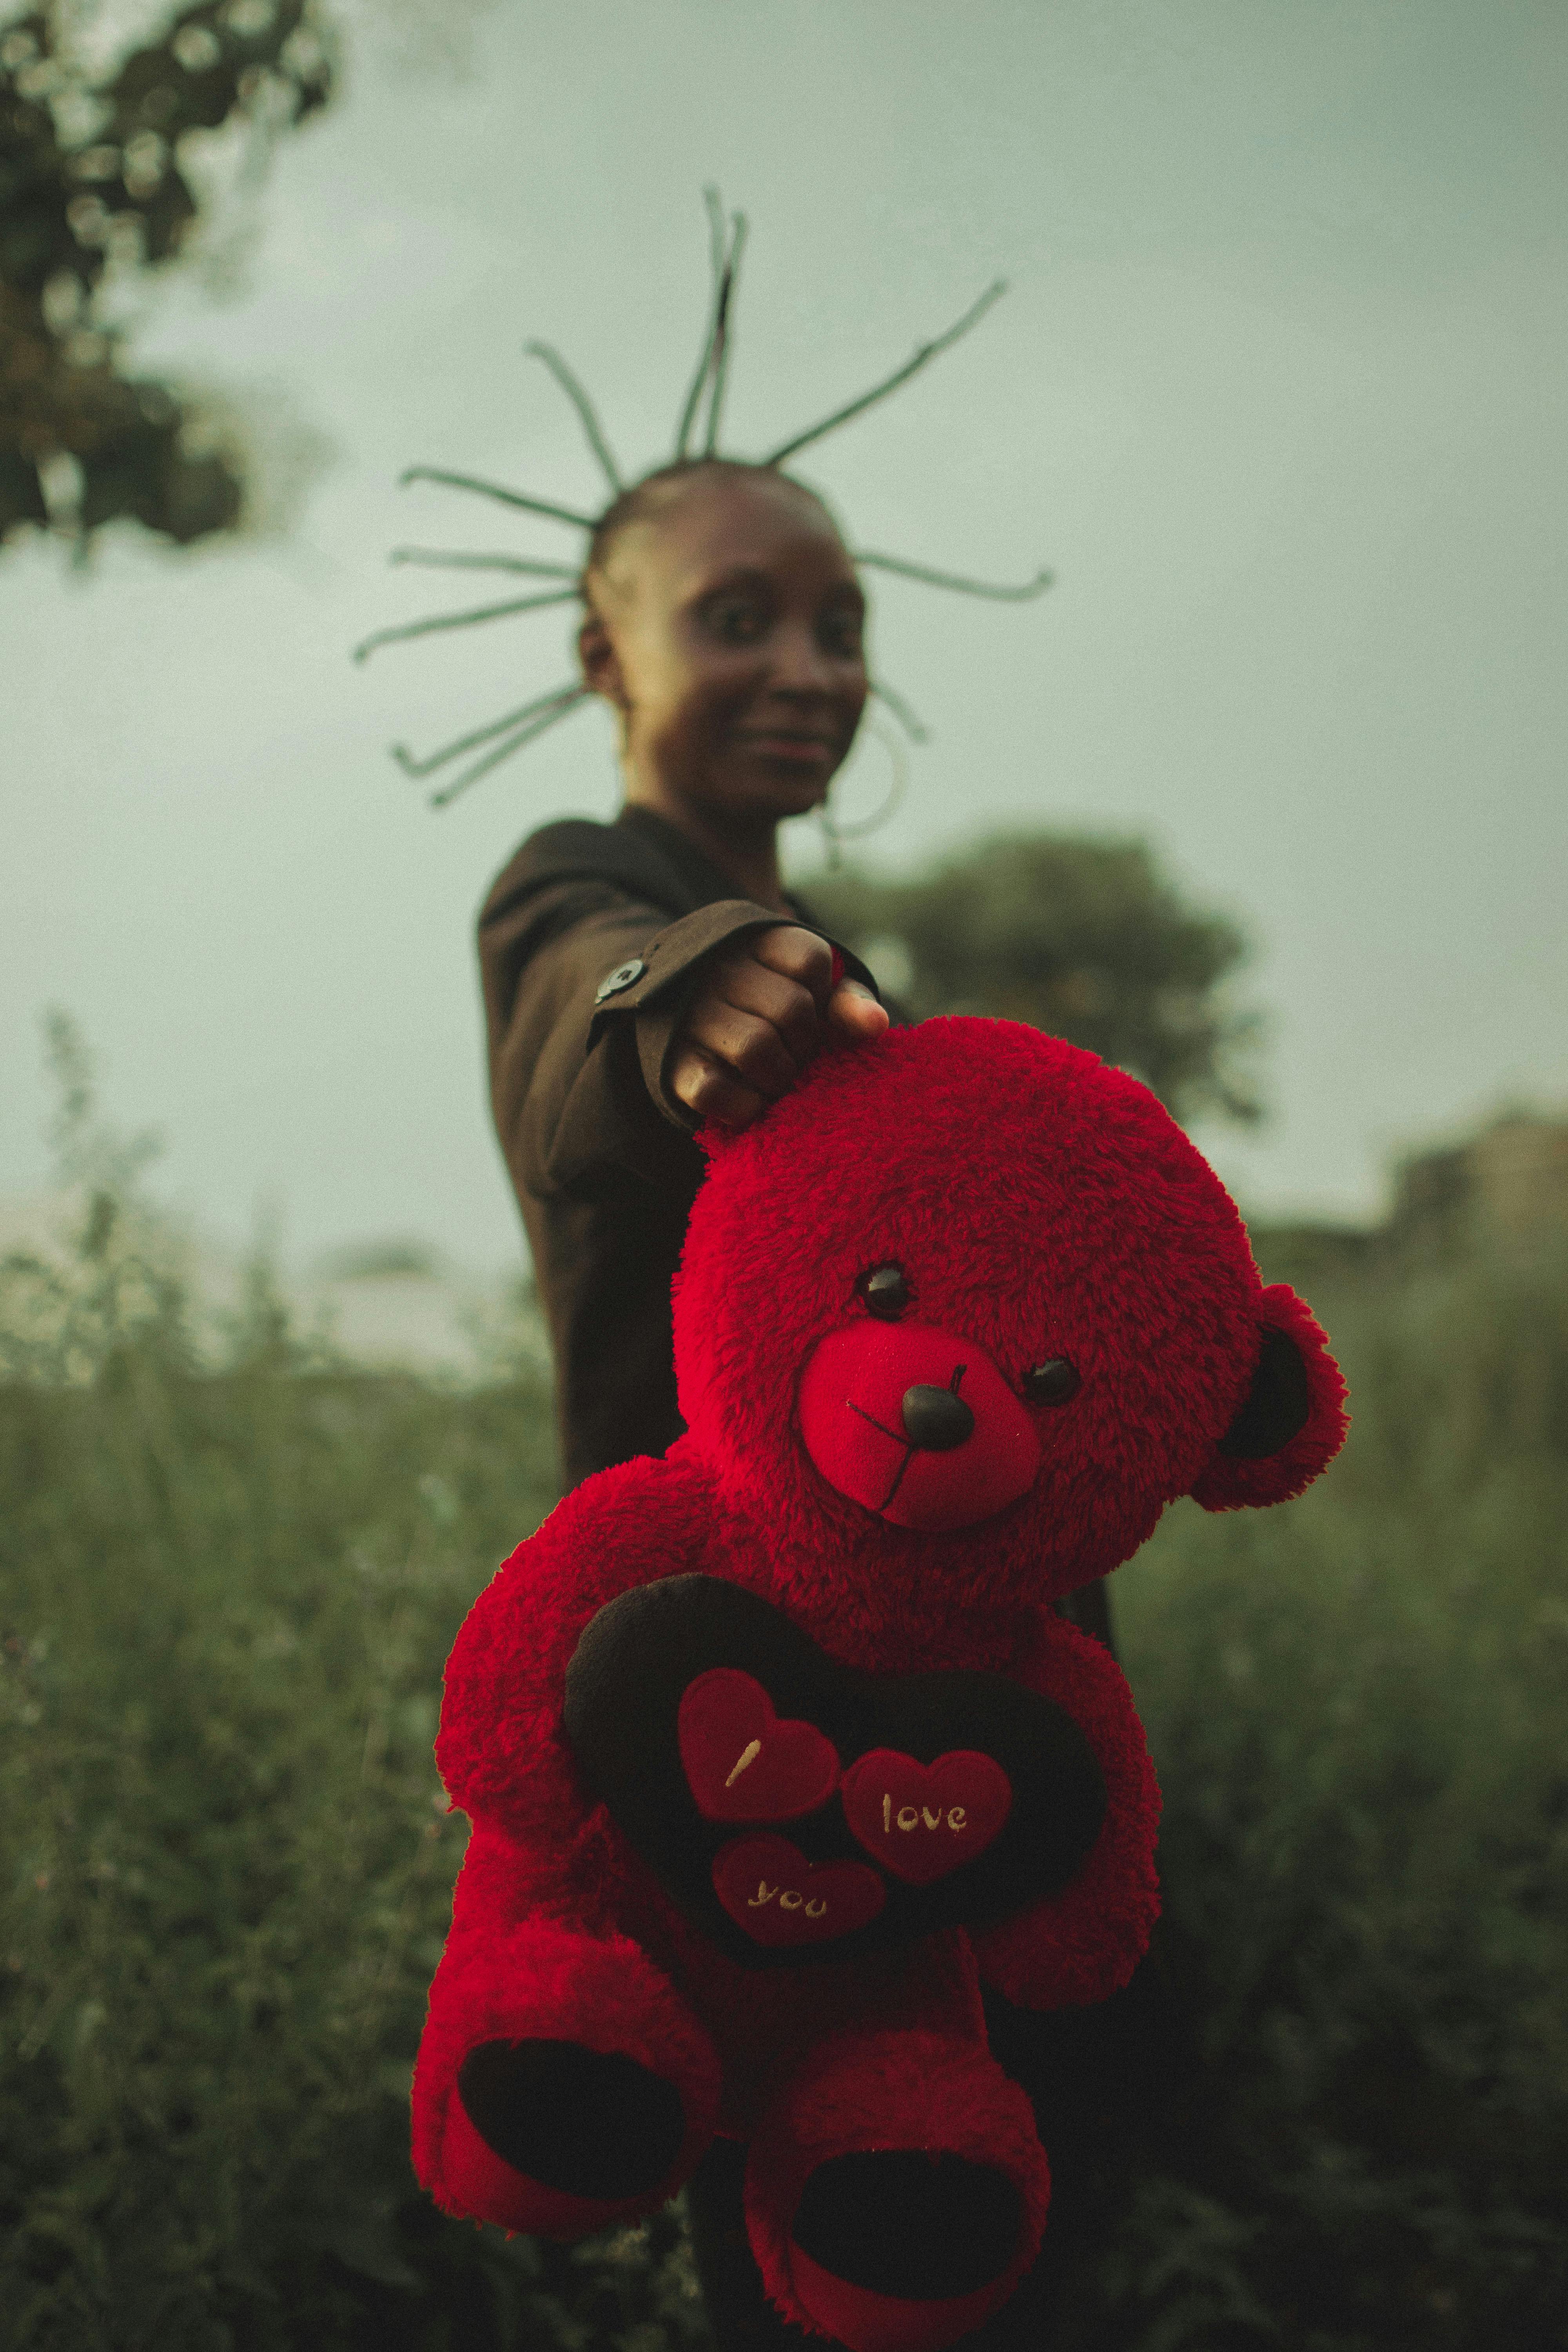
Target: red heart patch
{"x":742,"y":1763}
{"x":777,"y":1896}
{"x":921,"y":1821}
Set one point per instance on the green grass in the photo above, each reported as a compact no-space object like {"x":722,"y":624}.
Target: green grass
{"x":227,"y":1596}
{"x":226,"y":1588}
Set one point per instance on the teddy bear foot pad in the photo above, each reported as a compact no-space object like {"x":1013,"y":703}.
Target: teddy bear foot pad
{"x":897,"y":2251}
{"x":864,"y":2321}
{"x":583,"y":2122}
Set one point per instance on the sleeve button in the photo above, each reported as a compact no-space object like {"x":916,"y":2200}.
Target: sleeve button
{"x":622,"y":976}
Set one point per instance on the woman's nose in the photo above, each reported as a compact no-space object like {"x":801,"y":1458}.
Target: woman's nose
{"x":800,"y":665}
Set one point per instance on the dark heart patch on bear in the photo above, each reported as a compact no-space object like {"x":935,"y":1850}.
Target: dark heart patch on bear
{"x":1022,"y":1796}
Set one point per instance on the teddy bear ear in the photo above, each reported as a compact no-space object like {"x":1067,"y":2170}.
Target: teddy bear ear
{"x":1292,"y":1421}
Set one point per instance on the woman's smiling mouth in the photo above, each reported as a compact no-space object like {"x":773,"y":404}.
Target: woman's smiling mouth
{"x":784,"y":743}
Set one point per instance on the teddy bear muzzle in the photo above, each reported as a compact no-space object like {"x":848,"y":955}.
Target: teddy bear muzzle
{"x":917,"y":1424}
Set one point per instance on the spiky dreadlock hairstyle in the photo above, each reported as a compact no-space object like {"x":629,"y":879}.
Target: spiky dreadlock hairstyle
{"x":695,"y":450}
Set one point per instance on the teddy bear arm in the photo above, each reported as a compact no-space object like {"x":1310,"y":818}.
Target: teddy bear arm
{"x":501,"y":1748}
{"x":506,"y":1880}
{"x":496,"y":1884}
{"x":562,"y":2082}
{"x":1083,"y":1942}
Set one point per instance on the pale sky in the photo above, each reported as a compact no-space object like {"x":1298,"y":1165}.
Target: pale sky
{"x":1277,"y":392}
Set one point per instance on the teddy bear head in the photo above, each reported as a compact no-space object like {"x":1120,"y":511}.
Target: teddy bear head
{"x":968,"y":1306}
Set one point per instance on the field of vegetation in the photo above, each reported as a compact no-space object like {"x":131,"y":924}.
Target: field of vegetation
{"x":228,"y":1578}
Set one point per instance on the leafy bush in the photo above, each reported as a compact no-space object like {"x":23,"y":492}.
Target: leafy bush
{"x":1358,"y":1709}
{"x":226,"y":1590}
{"x":226,"y":1596}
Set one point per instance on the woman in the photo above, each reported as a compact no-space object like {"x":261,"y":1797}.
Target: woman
{"x":644,"y":975}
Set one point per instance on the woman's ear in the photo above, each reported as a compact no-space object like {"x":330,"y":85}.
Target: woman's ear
{"x":1291,"y":1422}
{"x":600,"y":662}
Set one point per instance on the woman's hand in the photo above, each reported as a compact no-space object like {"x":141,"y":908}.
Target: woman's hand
{"x":759,"y":1018}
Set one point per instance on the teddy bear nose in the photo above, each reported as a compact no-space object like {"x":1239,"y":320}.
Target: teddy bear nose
{"x":935,"y":1420}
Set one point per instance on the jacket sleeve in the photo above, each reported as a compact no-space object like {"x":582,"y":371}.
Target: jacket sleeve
{"x":585,"y":989}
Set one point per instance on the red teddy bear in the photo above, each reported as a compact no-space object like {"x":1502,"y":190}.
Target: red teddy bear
{"x":776,"y":1749}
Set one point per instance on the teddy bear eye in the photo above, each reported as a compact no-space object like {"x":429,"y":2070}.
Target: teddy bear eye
{"x":1051,"y":1382}
{"x":885,"y":1292}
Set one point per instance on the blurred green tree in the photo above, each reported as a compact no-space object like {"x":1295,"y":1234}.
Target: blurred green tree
{"x":94,"y":189}
{"x":1079,"y":935}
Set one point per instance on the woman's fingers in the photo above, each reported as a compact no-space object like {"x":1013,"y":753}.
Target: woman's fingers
{"x":749,"y":1041}
{"x":712,"y":1091}
{"x":854,"y":1009}
{"x":800,"y":955}
{"x":758,"y":1021}
{"x":808,"y":961}
{"x":786,"y":1005}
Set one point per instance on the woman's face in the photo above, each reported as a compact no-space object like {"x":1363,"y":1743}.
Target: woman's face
{"x":728,"y":631}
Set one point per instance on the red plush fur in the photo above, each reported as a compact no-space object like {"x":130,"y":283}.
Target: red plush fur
{"x":1040,"y":1207}
{"x":1228,"y":1484}
{"x":906,"y":2090}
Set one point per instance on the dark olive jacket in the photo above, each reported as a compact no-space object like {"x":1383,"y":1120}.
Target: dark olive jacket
{"x":591,"y":945}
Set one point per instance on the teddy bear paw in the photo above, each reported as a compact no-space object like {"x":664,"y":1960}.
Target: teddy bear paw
{"x":584,"y":2122}
{"x":562,"y":2082}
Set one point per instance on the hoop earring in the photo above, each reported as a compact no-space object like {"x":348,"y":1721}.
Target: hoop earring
{"x":836,"y":834}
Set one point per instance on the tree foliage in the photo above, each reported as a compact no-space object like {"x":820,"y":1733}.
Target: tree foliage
{"x":95,"y":183}
{"x":1080,"y":936}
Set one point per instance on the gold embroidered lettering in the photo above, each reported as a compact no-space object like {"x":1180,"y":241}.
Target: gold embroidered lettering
{"x":791,"y":1899}
{"x":749,"y":1755}
{"x":764,"y":1894}
{"x":887,"y":1813}
{"x":956,"y":1817}
{"x":908,"y":1817}
{"x":932,"y":1820}
{"x":817,"y":1910}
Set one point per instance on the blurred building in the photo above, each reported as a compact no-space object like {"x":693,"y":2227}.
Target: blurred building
{"x":1500,"y":1196}
{"x":1503,"y":1195}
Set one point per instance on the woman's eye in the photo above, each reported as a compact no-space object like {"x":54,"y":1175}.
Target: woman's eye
{"x":1052,"y":1382}
{"x":736,"y":620}
{"x":885,"y":1292}
{"x":841,"y":634}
